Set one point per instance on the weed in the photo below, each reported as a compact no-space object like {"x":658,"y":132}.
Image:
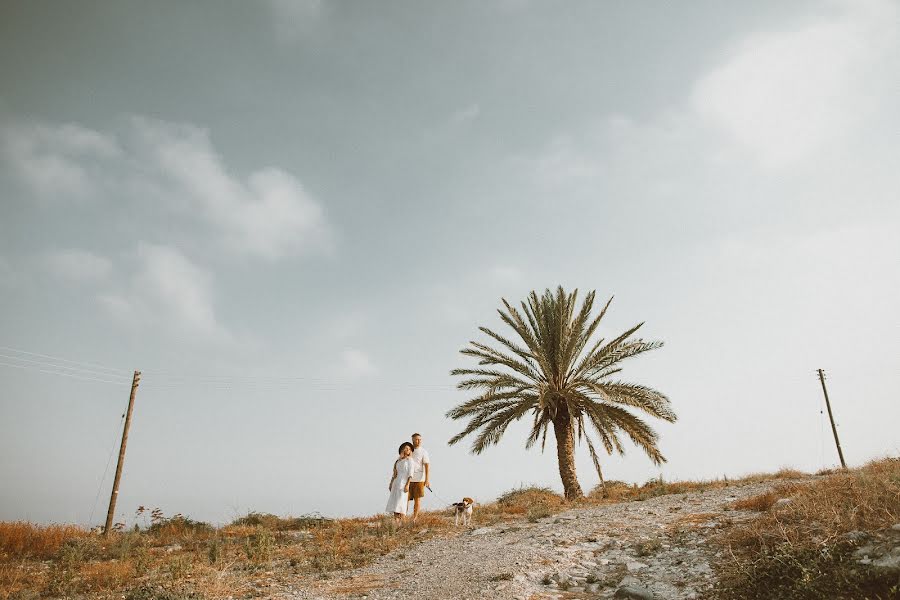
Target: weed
{"x":214,"y":550}
{"x":276,"y":523}
{"x":759,"y":503}
{"x":259,"y":547}
{"x":23,"y":539}
{"x":179,"y":567}
{"x":501,"y":577}
{"x":648,"y":547}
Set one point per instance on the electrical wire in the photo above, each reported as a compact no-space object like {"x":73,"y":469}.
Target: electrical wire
{"x":106,"y":470}
{"x":77,"y":370}
{"x":61,"y":374}
{"x":65,"y":360}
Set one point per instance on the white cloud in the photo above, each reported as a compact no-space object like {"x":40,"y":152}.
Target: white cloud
{"x":464,"y":115}
{"x":348,"y":325}
{"x":167,"y":292}
{"x":505,"y":274}
{"x":294,"y":18}
{"x":78,"y":265}
{"x":357,"y":364}
{"x":56,"y":161}
{"x":785,"y":95}
{"x":270,"y":215}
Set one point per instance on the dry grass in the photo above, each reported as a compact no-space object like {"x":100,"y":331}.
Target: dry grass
{"x":27,"y":540}
{"x":759,"y":503}
{"x":531,"y":502}
{"x":800,"y":549}
{"x":618,"y":491}
{"x":177,"y":558}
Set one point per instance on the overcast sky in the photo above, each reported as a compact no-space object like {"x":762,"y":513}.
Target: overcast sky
{"x":292,"y":215}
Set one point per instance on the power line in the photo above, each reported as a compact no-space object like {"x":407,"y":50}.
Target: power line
{"x":55,"y":366}
{"x":112,"y":450}
{"x":65,"y":360}
{"x":59,"y":373}
{"x":162,"y":379}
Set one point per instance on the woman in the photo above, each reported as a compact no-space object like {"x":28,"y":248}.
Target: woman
{"x":399,"y":484}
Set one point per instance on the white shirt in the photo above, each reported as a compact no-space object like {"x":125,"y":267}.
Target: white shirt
{"x":419,"y":459}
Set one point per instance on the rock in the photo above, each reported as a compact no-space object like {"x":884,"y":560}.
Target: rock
{"x":481,"y":531}
{"x":782,"y":502}
{"x":633,"y":565}
{"x":856,"y":536}
{"x":889,"y":561}
{"x":634,"y":592}
{"x":895,"y":527}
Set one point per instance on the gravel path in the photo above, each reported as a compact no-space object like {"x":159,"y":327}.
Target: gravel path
{"x":652,"y":549}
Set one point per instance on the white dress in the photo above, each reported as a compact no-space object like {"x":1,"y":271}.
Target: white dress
{"x":397,"y":500}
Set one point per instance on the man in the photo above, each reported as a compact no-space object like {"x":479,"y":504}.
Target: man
{"x":421,"y":475}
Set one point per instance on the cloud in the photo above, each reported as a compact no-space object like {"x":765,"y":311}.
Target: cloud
{"x":270,"y":215}
{"x":293,"y":19}
{"x":464,"y":115}
{"x":785,"y":95}
{"x":505,"y":274}
{"x":78,"y":265}
{"x":356,"y":363}
{"x":168,"y":292}
{"x":348,"y":325}
{"x":7,"y":275}
{"x":56,"y":161}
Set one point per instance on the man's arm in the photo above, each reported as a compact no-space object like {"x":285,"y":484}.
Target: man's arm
{"x":427,"y":474}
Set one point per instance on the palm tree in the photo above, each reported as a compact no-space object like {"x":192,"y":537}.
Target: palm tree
{"x":552,"y":373}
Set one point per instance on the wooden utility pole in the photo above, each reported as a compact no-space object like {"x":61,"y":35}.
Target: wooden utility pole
{"x":837,"y":442}
{"x":115,"y":490}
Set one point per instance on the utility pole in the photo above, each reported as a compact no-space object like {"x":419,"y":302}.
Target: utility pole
{"x":115,"y":490}
{"x":837,"y":442}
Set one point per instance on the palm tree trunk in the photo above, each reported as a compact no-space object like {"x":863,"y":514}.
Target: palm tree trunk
{"x":565,"y":452}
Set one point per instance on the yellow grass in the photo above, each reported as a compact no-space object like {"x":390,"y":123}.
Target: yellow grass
{"x":799,"y":549}
{"x":184,"y":557}
{"x":27,"y":540}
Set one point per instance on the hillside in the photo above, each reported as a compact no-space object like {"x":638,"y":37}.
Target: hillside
{"x":786,"y":535}
{"x":660,"y":545}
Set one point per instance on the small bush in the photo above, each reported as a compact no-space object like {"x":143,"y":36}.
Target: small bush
{"x":259,"y":547}
{"x":520,"y":500}
{"x":759,"y":503}
{"x":788,"y":473}
{"x":647,"y":547}
{"x":214,"y":550}
{"x":179,"y":528}
{"x":276,"y":523}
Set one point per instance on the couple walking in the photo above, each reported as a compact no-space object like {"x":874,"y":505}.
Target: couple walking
{"x":411,"y":475}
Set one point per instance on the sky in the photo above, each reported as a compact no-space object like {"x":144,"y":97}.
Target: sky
{"x":290,"y":216}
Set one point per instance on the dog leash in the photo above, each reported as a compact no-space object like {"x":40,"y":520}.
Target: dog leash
{"x":439,"y":498}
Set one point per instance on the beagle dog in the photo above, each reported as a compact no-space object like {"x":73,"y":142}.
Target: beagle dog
{"x":463,"y":511}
